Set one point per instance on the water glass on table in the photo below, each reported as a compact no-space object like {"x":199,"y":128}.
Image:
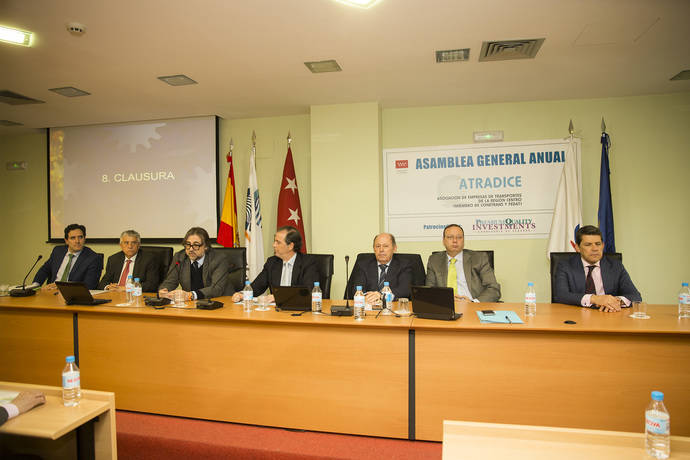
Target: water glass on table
{"x":639,"y":310}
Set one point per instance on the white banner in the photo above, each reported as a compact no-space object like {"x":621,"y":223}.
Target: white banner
{"x":495,"y":191}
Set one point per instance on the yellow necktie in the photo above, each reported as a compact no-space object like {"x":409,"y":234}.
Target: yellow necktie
{"x":452,"y":276}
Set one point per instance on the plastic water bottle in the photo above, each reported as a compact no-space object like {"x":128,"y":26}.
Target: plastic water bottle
{"x":71,"y":383}
{"x":684,"y":301}
{"x":387,"y":298}
{"x":137,"y":294}
{"x":129,"y":288}
{"x":247,"y":296}
{"x":316,"y":297}
{"x":530,"y":300}
{"x":359,"y":304}
{"x":657,"y":427}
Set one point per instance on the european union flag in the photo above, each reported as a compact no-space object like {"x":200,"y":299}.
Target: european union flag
{"x":605,"y":213}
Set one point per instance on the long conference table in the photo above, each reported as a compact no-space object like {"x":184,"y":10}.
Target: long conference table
{"x":398,"y":377}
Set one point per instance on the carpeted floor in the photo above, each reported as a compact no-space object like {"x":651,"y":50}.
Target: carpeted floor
{"x":151,"y":437}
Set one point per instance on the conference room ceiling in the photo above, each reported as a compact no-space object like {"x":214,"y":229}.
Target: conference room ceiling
{"x":248,"y":56}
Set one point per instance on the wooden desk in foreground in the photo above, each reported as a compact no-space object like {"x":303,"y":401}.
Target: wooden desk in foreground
{"x":54,"y":424}
{"x":393,"y":377}
{"x":481,"y":441}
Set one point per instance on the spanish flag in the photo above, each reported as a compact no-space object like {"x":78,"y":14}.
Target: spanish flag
{"x":228,"y":235}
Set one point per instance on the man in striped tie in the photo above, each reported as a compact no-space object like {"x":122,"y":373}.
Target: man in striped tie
{"x":467,"y":272}
{"x":131,"y":261}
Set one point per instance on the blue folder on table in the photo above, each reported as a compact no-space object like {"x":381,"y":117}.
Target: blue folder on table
{"x":500,"y":317}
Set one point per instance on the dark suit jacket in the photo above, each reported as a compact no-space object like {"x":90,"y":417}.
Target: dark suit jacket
{"x":478,"y":274}
{"x":304,"y":273}
{"x":570,"y":280}
{"x":3,"y":415}
{"x":86,"y":269}
{"x":365,"y":273}
{"x":214,"y":273}
{"x":146,"y":268}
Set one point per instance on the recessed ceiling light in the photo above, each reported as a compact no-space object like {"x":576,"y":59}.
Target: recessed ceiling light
{"x":323,"y":66}
{"x":453,"y":55}
{"x":12,"y":98}
{"x":682,"y":75}
{"x":177,"y":80}
{"x":15,"y":36}
{"x":358,"y":3}
{"x":69,"y":91}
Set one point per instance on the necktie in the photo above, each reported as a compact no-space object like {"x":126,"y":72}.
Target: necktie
{"x":65,"y":274}
{"x":284,"y":278}
{"x":452,"y":276}
{"x":589,"y":282}
{"x":125,"y":272}
{"x":382,"y":276}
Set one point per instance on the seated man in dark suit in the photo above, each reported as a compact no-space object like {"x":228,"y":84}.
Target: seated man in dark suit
{"x":474,"y":278}
{"x":71,"y":262}
{"x":372,"y":270}
{"x":131,"y":261}
{"x":590,"y":280}
{"x":201,"y":272}
{"x":288,"y":267}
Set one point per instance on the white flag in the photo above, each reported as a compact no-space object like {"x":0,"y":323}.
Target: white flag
{"x":567,"y":214}
{"x":252,"y":227}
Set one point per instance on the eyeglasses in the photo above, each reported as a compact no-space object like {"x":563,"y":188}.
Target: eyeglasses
{"x":192,"y":245}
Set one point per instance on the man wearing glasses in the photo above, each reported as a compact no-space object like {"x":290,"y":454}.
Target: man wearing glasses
{"x":198,"y":270}
{"x":131,"y":261}
{"x":467,"y":272}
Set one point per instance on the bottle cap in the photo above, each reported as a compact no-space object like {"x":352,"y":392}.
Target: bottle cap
{"x":530,"y":284}
{"x":247,"y":282}
{"x":386,"y":283}
{"x":136,"y":280}
{"x":684,"y":284}
{"x":69,"y":359}
{"x":657,"y":396}
{"x":316,"y":283}
{"x":358,"y":288}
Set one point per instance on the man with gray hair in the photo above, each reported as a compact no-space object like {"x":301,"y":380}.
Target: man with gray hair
{"x":131,"y":261}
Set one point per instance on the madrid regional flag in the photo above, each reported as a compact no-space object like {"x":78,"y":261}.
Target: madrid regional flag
{"x":289,"y":208}
{"x":228,"y":234}
{"x":567,"y":213}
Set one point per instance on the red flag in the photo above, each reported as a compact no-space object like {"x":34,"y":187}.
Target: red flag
{"x":228,"y":234}
{"x":289,"y":209}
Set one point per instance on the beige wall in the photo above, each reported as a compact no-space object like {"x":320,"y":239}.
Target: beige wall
{"x":337,"y":153}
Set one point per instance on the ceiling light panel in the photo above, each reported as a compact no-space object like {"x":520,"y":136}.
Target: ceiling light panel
{"x":69,"y":91}
{"x":177,"y":80}
{"x":358,"y":3}
{"x":682,"y":75}
{"x":15,"y":36}
{"x":323,"y":66}
{"x":453,"y":55}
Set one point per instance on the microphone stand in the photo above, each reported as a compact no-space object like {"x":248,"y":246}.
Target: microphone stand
{"x":347,"y":288}
{"x":24,"y":292}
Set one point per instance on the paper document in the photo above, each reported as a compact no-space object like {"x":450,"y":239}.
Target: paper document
{"x":500,"y":316}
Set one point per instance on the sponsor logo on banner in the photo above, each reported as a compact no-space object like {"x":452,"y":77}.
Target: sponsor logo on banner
{"x":522,"y":224}
{"x":400,"y":164}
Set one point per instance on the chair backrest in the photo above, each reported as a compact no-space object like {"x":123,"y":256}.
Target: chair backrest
{"x":237,"y":257}
{"x":415,"y":260}
{"x":557,"y":257}
{"x":489,"y":253}
{"x":164,"y":254}
{"x":324,"y":262}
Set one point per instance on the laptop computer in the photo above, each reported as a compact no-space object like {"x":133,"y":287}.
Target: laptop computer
{"x":76,"y":293}
{"x":434,"y":303}
{"x":297,"y":298}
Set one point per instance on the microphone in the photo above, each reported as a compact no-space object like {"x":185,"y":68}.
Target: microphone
{"x":347,"y":275}
{"x":23,"y":292}
{"x":339,"y":310}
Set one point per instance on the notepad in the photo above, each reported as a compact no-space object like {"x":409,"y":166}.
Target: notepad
{"x":500,"y":317}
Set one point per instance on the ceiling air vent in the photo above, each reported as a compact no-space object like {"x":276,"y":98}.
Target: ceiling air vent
{"x":11,"y":98}
{"x":505,"y":50}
